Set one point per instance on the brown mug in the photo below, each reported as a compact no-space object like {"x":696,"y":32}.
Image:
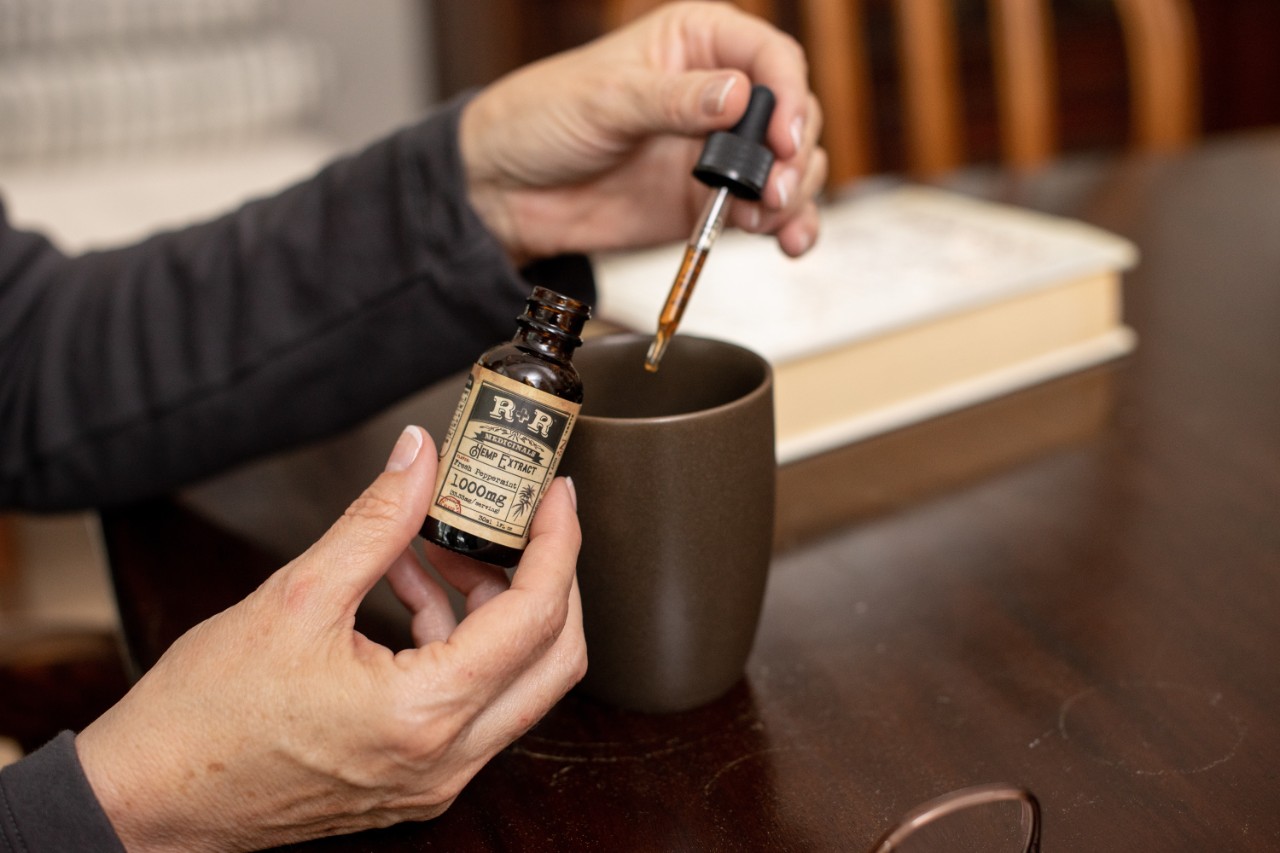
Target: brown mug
{"x":675,"y":475}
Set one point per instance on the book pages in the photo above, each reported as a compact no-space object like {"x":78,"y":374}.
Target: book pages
{"x":883,"y":261}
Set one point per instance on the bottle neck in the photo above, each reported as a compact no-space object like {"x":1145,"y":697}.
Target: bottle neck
{"x":551,"y":324}
{"x":548,"y":341}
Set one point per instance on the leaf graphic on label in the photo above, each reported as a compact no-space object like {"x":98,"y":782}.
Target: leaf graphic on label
{"x":523,"y":500}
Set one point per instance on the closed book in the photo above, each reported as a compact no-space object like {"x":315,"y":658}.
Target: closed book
{"x":915,"y":302}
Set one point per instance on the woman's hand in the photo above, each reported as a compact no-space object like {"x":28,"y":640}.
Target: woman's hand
{"x":276,"y":721}
{"x":592,"y":149}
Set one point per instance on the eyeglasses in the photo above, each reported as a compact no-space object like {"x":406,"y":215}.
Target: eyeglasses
{"x":991,"y":818}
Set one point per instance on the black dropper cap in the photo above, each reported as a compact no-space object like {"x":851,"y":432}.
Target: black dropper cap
{"x":738,"y":158}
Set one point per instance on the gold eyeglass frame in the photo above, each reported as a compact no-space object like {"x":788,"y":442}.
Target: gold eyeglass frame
{"x":959,"y":800}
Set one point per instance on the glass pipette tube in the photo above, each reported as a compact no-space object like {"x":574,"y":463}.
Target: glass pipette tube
{"x":704,"y":235}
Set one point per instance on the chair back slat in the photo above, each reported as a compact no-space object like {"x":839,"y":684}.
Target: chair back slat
{"x":1022,"y":49}
{"x":840,"y":73}
{"x":1164,"y":70}
{"x":1159,"y":41}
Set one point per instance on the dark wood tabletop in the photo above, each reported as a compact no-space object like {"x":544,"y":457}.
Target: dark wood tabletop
{"x":1073,"y":588}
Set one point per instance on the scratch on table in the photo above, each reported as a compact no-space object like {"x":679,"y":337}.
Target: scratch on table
{"x":1036,"y":741}
{"x":600,"y":758}
{"x":1235,"y":747}
{"x":1213,"y":700}
{"x":562,"y":748}
{"x":741,"y":759}
{"x":559,"y":774}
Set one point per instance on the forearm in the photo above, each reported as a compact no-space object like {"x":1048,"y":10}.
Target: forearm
{"x":134,"y":370}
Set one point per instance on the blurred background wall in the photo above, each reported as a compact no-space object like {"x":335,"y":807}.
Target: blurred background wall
{"x":383,"y":70}
{"x":118,"y":117}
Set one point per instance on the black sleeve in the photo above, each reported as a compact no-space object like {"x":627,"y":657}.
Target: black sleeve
{"x":46,"y":804}
{"x":128,"y":372}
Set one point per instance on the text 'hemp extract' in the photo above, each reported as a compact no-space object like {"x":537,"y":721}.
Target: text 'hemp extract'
{"x":508,"y":433}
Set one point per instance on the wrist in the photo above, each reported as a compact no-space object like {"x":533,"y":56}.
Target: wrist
{"x":145,"y":813}
{"x":484,"y":177}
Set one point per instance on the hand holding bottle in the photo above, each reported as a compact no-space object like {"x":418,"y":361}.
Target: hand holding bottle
{"x":276,"y":721}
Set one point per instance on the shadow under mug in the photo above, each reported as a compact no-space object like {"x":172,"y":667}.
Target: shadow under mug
{"x":675,"y":474}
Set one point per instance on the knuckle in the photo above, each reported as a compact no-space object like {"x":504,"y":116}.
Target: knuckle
{"x":431,"y":805}
{"x":793,"y":46}
{"x":449,"y":789}
{"x":821,"y":164}
{"x":816,"y":116}
{"x":374,"y":506}
{"x":577,"y":661}
{"x":548,"y":622}
{"x":295,"y":590}
{"x":429,"y":801}
{"x":672,"y":104}
{"x":372,"y":517}
{"x":416,"y":741}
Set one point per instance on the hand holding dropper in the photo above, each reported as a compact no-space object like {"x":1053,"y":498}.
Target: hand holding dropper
{"x":734,"y":161}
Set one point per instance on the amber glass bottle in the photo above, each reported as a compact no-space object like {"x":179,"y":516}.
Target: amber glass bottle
{"x":508,"y":433}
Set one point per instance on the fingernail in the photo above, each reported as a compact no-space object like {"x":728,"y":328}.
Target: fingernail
{"x":797,"y":131}
{"x":715,"y":95}
{"x":787,"y":183}
{"x":406,"y":449}
{"x":807,"y":240}
{"x":753,"y":218}
{"x":573,"y":492}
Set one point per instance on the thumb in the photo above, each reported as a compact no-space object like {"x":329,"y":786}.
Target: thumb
{"x":344,"y":564}
{"x":693,"y":103}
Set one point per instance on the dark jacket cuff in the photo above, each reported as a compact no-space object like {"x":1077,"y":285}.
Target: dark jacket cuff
{"x":46,"y":804}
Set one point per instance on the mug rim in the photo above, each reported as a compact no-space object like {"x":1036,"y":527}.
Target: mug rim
{"x":626,"y":337}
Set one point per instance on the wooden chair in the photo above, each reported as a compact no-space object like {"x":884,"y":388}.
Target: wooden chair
{"x":53,"y":676}
{"x":8,"y":560}
{"x":618,"y":12}
{"x":1159,"y":43}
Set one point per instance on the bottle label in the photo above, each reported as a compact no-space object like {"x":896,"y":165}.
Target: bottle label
{"x":504,"y":444}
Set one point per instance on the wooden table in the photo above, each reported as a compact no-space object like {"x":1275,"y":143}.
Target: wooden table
{"x":1095,"y":617}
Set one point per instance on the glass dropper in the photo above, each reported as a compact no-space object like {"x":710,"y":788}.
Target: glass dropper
{"x":733,"y":162}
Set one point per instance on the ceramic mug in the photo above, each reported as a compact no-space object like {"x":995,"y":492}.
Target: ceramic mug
{"x":675,"y":475}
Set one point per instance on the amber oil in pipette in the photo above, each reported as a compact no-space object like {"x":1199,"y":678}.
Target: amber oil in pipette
{"x":686,"y":277}
{"x":709,"y":226}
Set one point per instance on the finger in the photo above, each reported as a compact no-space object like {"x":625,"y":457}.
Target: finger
{"x":500,"y":640}
{"x":339,"y":570}
{"x":790,"y":185}
{"x":738,"y":49}
{"x":693,"y":103}
{"x":433,"y":617}
{"x":477,"y":581}
{"x":783,"y":190}
{"x":747,"y":215}
{"x":533,"y":693}
{"x":729,"y":38}
{"x":800,"y":218}
{"x":799,"y":235}
{"x":550,"y":559}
